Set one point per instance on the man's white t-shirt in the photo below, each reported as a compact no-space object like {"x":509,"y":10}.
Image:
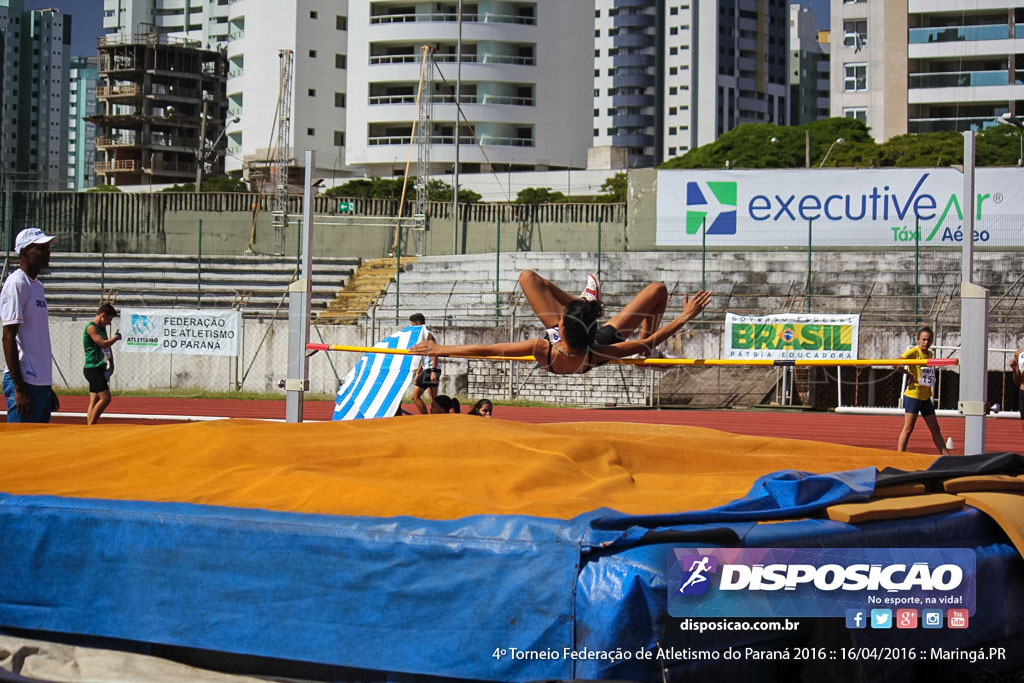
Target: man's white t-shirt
{"x":23,"y":303}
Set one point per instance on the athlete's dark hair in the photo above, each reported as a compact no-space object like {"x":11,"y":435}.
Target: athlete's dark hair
{"x":417,"y":319}
{"x":925,"y":329}
{"x":108,"y":309}
{"x":580,"y":323}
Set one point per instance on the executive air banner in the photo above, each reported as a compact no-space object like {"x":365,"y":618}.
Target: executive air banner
{"x":156,"y":330}
{"x":791,"y":336}
{"x":836,"y":208}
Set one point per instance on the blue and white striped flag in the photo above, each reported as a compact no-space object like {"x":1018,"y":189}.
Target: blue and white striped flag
{"x":375,"y":386}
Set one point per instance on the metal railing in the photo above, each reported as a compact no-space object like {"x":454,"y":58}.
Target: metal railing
{"x":959,"y":79}
{"x":945,"y":34}
{"x":450,"y":140}
{"x":118,"y":165}
{"x":453,"y":17}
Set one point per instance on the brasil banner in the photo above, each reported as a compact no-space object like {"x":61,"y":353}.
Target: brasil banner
{"x":791,"y":336}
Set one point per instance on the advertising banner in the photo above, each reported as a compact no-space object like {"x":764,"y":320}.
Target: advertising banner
{"x":873,"y":583}
{"x":791,"y":336}
{"x":836,"y":208}
{"x":156,"y":330}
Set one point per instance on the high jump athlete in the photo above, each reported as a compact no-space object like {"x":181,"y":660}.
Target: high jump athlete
{"x":573,"y":342}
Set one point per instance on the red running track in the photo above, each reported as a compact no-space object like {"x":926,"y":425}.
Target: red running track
{"x":855,"y":430}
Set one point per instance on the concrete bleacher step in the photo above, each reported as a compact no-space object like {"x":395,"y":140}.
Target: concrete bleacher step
{"x":362,"y":290}
{"x":76,"y":283}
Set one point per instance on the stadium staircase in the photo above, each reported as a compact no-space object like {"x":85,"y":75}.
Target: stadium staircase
{"x":361,"y":292}
{"x":77,"y":283}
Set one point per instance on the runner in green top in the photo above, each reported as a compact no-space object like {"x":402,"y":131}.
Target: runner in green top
{"x":99,"y":361}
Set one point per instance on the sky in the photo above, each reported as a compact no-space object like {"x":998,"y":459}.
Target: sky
{"x":87,"y":19}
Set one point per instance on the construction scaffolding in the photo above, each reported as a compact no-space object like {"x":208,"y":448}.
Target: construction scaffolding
{"x":282,"y":156}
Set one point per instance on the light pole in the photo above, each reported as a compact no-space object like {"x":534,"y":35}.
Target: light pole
{"x":838,"y":141}
{"x":1011,"y":120}
{"x":201,"y":154}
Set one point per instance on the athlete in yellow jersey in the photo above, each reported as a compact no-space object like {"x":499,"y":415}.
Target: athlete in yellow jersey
{"x":918,"y":396}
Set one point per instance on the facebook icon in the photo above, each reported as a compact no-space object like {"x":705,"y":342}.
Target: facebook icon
{"x":856,"y":618}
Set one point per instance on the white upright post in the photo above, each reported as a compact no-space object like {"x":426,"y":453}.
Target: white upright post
{"x":973,"y":323}
{"x":299,"y":293}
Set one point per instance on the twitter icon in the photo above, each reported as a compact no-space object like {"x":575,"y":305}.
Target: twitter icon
{"x":881,"y":618}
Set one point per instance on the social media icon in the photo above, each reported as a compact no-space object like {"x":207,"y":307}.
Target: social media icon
{"x":906,"y":618}
{"x":956,"y":618}
{"x":931,"y":618}
{"x":881,"y":618}
{"x":856,"y":618}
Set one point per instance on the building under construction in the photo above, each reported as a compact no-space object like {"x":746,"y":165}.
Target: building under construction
{"x":162,"y":109}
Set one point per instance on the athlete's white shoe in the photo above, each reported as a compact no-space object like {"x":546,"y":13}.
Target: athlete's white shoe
{"x":593,"y":290}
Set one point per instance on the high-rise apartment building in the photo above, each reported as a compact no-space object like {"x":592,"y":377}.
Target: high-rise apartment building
{"x":36,"y":50}
{"x":672,"y":75}
{"x":912,"y":66}
{"x":83,"y":76}
{"x":253,"y":32}
{"x":808,"y":67}
{"x":525,"y":86}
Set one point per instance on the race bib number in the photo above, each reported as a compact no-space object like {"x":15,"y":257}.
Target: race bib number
{"x":927,"y":377}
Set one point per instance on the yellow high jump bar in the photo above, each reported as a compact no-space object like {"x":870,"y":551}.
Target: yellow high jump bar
{"x":673,"y":362}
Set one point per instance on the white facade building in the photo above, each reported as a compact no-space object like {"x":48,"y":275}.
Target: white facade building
{"x":670,"y":75}
{"x":525,"y":84}
{"x":916,"y":66}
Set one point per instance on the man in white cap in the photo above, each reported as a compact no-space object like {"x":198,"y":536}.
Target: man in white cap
{"x":26,"y":335}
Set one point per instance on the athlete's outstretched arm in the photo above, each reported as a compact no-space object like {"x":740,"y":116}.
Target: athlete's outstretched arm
{"x":521,"y":348}
{"x":691,"y":309}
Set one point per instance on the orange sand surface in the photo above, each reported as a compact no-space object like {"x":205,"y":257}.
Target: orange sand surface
{"x":429,"y":466}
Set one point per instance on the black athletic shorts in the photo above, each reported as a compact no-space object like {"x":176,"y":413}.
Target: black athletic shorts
{"x":428,"y":378}
{"x":608,"y":335}
{"x":97,"y":378}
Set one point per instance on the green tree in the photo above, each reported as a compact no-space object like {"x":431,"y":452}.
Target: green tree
{"x":440,"y":191}
{"x":104,"y":188}
{"x":613,"y":190}
{"x":539,"y":195}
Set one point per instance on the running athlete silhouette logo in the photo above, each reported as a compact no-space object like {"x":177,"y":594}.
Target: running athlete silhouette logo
{"x":698,"y":566}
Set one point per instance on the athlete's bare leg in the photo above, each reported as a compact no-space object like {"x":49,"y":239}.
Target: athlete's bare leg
{"x":546,"y":298}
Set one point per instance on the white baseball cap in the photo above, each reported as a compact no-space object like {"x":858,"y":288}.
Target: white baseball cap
{"x":32,"y":236}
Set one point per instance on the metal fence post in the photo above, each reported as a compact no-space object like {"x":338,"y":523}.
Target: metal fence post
{"x":810,"y":251}
{"x":598,"y":248}
{"x":199,"y":269}
{"x":497,"y":274}
{"x":103,"y":257}
{"x":703,"y":258}
{"x":398,"y":270}
{"x":917,"y":270}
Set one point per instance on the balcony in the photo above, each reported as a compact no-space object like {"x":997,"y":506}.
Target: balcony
{"x":486,"y":18}
{"x":954,"y":124}
{"x":633,"y":140}
{"x":405,"y":140}
{"x":174,"y":167}
{"x":633,"y":20}
{"x":949,"y":34}
{"x":634,"y":40}
{"x":633,"y":80}
{"x":121,"y":141}
{"x":636,"y":60}
{"x":126,"y":90}
{"x":117,"y":166}
{"x":959,"y":79}
{"x":635,"y":101}
{"x":633,"y":120}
